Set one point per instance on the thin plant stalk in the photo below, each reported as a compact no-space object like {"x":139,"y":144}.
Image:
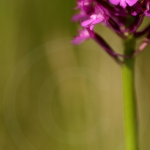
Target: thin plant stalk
{"x":129,"y":99}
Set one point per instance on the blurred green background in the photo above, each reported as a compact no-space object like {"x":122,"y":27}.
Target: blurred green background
{"x":56,"y":96}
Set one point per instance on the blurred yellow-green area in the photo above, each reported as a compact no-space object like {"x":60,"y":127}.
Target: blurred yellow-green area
{"x":57,"y":96}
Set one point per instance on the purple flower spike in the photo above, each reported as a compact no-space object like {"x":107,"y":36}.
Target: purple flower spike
{"x":124,"y":19}
{"x":83,"y":35}
{"x":123,"y":3}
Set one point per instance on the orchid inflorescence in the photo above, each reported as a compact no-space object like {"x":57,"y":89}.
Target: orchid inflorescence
{"x":123,"y":16}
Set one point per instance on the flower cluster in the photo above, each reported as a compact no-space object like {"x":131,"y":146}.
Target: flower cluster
{"x":122,"y":16}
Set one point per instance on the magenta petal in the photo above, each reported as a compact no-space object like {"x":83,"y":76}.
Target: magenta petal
{"x":123,"y":3}
{"x":115,"y":2}
{"x":86,"y":23}
{"x":77,"y":40}
{"x":97,"y":21}
{"x":91,"y":27}
{"x":77,"y":17}
{"x":147,"y":14}
{"x":131,"y":2}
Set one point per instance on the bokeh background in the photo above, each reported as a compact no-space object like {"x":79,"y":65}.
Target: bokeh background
{"x":57,"y":96}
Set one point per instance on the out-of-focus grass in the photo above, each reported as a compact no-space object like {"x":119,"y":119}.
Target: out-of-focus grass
{"x":57,"y":96}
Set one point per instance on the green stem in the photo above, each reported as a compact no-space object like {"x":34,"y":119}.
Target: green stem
{"x":130,"y":115}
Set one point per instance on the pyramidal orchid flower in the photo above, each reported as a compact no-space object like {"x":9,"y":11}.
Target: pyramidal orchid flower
{"x":124,"y":17}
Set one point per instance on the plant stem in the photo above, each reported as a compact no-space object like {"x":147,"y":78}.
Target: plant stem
{"x":130,"y":114}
